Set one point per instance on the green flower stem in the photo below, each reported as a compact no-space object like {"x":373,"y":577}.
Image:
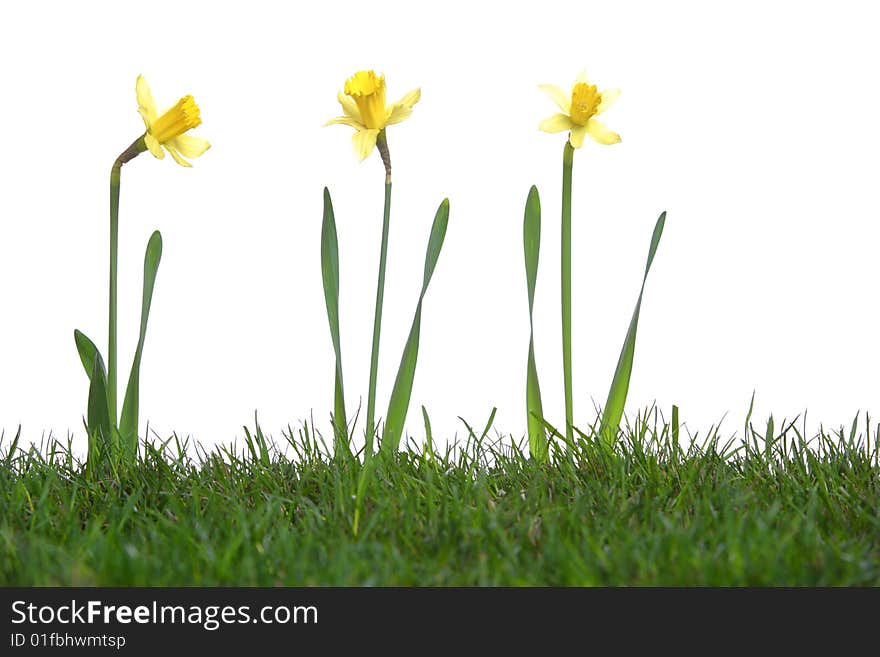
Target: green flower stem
{"x":382,"y":145}
{"x":137,"y":147}
{"x":567,"y":161}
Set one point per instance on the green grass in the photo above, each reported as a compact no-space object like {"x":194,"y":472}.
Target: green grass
{"x":788,"y":511}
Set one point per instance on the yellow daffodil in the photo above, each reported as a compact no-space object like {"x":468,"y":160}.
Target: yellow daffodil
{"x":579,"y":110}
{"x":168,"y":129}
{"x":363,"y":103}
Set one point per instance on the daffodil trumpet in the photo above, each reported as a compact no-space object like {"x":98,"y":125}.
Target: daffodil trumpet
{"x":164,"y":132}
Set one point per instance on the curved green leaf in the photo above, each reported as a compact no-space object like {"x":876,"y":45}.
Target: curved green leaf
{"x":330,"y":276}
{"x":400,"y":394}
{"x":613,"y":411}
{"x":86,"y":350}
{"x":98,"y":414}
{"x":532,"y":249}
{"x":128,"y":422}
{"x":429,"y":434}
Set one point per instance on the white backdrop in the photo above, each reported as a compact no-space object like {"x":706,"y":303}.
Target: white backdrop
{"x":754,"y":125}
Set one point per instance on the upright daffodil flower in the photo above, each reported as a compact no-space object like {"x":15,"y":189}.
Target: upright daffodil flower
{"x":168,"y":129}
{"x":364,"y":109}
{"x":579,"y":110}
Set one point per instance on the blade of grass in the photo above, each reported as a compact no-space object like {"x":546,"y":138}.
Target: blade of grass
{"x":400,"y":394}
{"x":675,"y":425}
{"x":532,"y":250}
{"x":429,"y":435}
{"x":748,"y":422}
{"x":613,"y":409}
{"x":330,"y":277}
{"x":489,"y":423}
{"x":128,"y":422}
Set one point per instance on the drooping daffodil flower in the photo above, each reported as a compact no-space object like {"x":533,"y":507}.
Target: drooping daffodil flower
{"x":364,"y":108}
{"x":579,"y":109}
{"x":167,"y":130}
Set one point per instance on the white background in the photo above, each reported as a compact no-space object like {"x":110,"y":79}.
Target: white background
{"x":754,"y":124}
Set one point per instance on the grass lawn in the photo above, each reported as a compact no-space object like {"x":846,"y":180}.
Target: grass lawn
{"x":787,"y":511}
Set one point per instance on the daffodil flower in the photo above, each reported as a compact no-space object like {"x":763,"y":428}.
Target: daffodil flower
{"x":167,"y":131}
{"x":579,"y":110}
{"x":364,"y":108}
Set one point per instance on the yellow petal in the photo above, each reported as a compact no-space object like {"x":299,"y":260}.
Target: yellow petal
{"x":562,"y":99}
{"x":146,"y":104}
{"x":397,"y":113}
{"x":176,"y":155}
{"x":410,"y":99}
{"x":582,"y":77}
{"x":349,"y":107}
{"x":346,"y":120}
{"x":609,"y":96}
{"x":577,"y":135}
{"x":364,"y":141}
{"x":600,"y":132}
{"x":190,"y":146}
{"x":153,"y":146}
{"x":556,"y":123}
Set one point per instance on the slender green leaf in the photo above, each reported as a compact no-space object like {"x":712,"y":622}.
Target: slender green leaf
{"x":748,"y":423}
{"x":128,"y":423}
{"x":675,"y":425}
{"x":613,"y":411}
{"x":489,"y":423}
{"x":102,"y":433}
{"x":400,"y":394}
{"x":532,"y":250}
{"x":429,"y":435}
{"x":330,"y":277}
{"x":86,"y":350}
{"x":98,"y":414}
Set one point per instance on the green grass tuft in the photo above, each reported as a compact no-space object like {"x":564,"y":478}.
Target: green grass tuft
{"x":787,"y":511}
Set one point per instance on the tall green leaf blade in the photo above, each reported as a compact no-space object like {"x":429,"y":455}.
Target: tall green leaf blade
{"x":330,"y":277}
{"x":128,"y":422}
{"x":400,"y":394}
{"x":86,"y":350}
{"x":613,"y":411}
{"x":532,"y":248}
{"x":98,"y":413}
